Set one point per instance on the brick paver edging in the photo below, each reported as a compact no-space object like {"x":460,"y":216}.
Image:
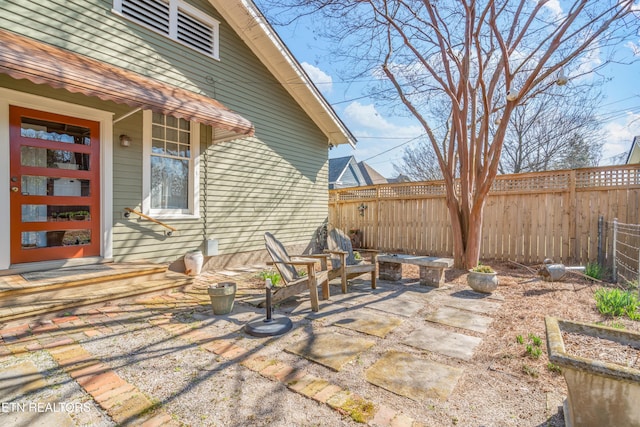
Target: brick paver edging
{"x":310,"y":386}
{"x":126,"y":404}
{"x":122,"y":401}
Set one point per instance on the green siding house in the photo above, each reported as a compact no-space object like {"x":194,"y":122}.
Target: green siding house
{"x":146,"y":129}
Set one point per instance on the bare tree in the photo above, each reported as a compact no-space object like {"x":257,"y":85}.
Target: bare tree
{"x":482,"y":58}
{"x":558,"y":129}
{"x":419,"y":163}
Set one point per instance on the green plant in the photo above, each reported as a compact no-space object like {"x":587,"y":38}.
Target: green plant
{"x":520,"y":339}
{"x":554,"y":368}
{"x":482,"y":269}
{"x":357,"y":255}
{"x":615,"y":303}
{"x":594,"y":270}
{"x":536,"y":340}
{"x":270,"y":274}
{"x":533,"y":351}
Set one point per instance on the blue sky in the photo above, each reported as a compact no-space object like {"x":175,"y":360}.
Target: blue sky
{"x":382,"y":135}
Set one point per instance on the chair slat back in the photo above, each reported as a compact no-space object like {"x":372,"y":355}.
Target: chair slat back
{"x":279,"y":255}
{"x":337,"y":240}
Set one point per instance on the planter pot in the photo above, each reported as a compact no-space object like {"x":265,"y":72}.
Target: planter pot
{"x":600,"y":393}
{"x":222,"y":296}
{"x":482,"y":282}
{"x":193,"y":263}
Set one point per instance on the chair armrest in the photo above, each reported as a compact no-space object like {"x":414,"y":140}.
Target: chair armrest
{"x":337,"y":252}
{"x":319,"y":256}
{"x":301,"y":261}
{"x":367,"y":250}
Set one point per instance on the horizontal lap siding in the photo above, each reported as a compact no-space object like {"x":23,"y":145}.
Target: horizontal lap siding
{"x":276,"y":181}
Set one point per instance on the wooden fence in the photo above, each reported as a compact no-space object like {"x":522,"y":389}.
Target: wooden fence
{"x":527,"y":217}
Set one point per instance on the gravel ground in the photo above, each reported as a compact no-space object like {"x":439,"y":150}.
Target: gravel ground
{"x":501,"y":385}
{"x":60,"y":388}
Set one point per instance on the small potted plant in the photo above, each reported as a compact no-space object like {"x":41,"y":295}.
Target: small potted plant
{"x":482,"y":278}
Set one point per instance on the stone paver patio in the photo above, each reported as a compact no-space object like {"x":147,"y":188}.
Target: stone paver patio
{"x":84,"y":347}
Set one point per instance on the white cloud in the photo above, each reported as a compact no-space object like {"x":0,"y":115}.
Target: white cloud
{"x":619,"y":136}
{"x":587,"y":63}
{"x":380,"y":139}
{"x":369,"y":122}
{"x":554,"y":7}
{"x":634,"y":46}
{"x":322,"y":80}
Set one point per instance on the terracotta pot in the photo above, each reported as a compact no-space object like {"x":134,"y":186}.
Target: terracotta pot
{"x":482,"y":282}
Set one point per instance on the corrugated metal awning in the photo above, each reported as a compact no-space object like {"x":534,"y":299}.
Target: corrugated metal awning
{"x":25,"y":58}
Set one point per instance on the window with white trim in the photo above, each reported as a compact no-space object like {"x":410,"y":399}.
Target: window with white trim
{"x":176,"y":20}
{"x":170,"y":166}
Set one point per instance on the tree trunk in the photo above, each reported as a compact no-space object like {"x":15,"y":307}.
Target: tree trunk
{"x":466,"y":228}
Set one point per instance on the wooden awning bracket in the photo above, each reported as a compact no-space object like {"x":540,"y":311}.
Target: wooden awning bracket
{"x":129,"y":211}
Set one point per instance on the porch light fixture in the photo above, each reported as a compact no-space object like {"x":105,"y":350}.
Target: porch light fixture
{"x":125,"y":140}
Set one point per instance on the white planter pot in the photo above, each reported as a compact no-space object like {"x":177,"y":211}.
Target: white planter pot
{"x":193,"y":263}
{"x":482,"y":282}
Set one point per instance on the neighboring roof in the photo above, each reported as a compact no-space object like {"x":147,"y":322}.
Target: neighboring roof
{"x":251,"y":25}
{"x":371,"y":176}
{"x":25,"y":58}
{"x":363,"y":173}
{"x":634,"y":151}
{"x":400,"y":178}
{"x":337,"y":167}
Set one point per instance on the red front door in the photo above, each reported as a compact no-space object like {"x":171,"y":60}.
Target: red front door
{"x":55,"y":187}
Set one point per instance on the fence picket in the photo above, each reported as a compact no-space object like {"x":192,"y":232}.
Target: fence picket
{"x":527,"y":217}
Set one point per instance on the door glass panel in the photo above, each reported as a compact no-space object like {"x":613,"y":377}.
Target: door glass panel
{"x":48,"y":186}
{"x":48,"y":239}
{"x":53,"y":131}
{"x":45,"y":213}
{"x":59,"y":159}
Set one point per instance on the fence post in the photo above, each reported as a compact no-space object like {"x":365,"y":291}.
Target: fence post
{"x":600,"y":240}
{"x":573,"y":226}
{"x":615,"y":239}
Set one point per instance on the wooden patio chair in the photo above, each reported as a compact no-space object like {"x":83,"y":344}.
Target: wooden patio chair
{"x":344,"y":263}
{"x":294,"y":282}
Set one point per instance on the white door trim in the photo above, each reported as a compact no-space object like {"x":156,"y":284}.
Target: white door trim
{"x":105,"y":118}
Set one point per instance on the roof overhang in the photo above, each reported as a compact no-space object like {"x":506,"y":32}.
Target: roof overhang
{"x":249,"y":23}
{"x":40,"y":63}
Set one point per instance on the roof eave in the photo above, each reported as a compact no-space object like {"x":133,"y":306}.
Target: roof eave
{"x":249,"y":23}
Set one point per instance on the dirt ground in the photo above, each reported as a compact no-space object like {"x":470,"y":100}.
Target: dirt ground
{"x":503,"y":384}
{"x":502,"y":373}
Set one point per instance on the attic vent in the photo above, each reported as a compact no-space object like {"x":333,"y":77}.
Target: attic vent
{"x":174,"y":19}
{"x":195,"y":33}
{"x":152,"y":13}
